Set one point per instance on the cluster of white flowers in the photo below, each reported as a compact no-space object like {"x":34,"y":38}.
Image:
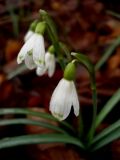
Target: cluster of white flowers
{"x":33,"y":54}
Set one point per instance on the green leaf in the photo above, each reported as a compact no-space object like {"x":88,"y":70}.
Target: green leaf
{"x":107,"y":131}
{"x":114,"y":14}
{"x":39,"y":139}
{"x":33,"y":113}
{"x":20,"y":69}
{"x":108,"y":107}
{"x":107,"y":54}
{"x":31,"y":122}
{"x":106,"y":140}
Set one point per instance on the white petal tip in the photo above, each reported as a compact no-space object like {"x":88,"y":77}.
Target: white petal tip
{"x":19,"y":60}
{"x":73,"y":53}
{"x":58,"y":116}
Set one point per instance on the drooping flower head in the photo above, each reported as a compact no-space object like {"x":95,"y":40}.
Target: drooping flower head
{"x":65,"y":95}
{"x":49,"y":63}
{"x":33,"y":51}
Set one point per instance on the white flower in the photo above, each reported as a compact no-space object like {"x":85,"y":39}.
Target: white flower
{"x":49,"y":65}
{"x":40,"y":71}
{"x":63,"y":98}
{"x":28,"y":35}
{"x":33,"y":52}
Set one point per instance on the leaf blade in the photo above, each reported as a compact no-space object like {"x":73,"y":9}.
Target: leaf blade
{"x":33,"y":113}
{"x":39,"y":139}
{"x":108,"y":107}
{"x":31,"y":122}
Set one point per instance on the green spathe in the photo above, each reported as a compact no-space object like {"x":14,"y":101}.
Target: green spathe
{"x":33,"y":25}
{"x":70,"y":71}
{"x":51,"y":49}
{"x":40,"y":28}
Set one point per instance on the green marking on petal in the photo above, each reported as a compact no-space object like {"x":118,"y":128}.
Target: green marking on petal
{"x":39,"y":61}
{"x":20,"y":57}
{"x":30,"y":52}
{"x":58,"y":115}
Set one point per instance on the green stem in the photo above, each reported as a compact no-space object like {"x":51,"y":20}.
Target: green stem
{"x":84,"y":60}
{"x":94,"y":98}
{"x":59,"y":47}
{"x":80,"y":126}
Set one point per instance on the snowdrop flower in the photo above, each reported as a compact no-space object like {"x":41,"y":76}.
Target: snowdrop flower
{"x":65,"y":96}
{"x":33,"y":51}
{"x":49,"y":65}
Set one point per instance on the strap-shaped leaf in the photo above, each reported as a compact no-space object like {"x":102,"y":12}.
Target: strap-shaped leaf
{"x":108,"y":107}
{"x":30,"y":122}
{"x":106,"y":140}
{"x":33,"y":113}
{"x":107,"y":131}
{"x":114,"y":14}
{"x":39,"y":139}
{"x":107,"y":54}
{"x":19,"y":69}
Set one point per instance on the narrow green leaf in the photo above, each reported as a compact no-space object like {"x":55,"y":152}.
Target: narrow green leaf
{"x":14,"y":17}
{"x":31,"y":122}
{"x":106,"y":140}
{"x":39,"y":139}
{"x":108,"y":107}
{"x":114,"y":14}
{"x":20,"y":69}
{"x":33,"y":113}
{"x":107,"y":131}
{"x":107,"y":54}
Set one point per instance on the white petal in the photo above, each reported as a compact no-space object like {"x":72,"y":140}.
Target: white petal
{"x":39,"y":50}
{"x":40,"y":71}
{"x":60,"y":104}
{"x":75,"y":101}
{"x":26,"y":48}
{"x":28,"y":35}
{"x":50,"y":63}
{"x":29,"y":61}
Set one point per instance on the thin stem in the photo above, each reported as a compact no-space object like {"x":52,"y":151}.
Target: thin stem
{"x":94,"y":98}
{"x":59,"y":47}
{"x":80,"y":126}
{"x":84,"y":60}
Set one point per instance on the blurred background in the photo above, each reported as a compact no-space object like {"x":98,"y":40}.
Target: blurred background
{"x":87,"y":26}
